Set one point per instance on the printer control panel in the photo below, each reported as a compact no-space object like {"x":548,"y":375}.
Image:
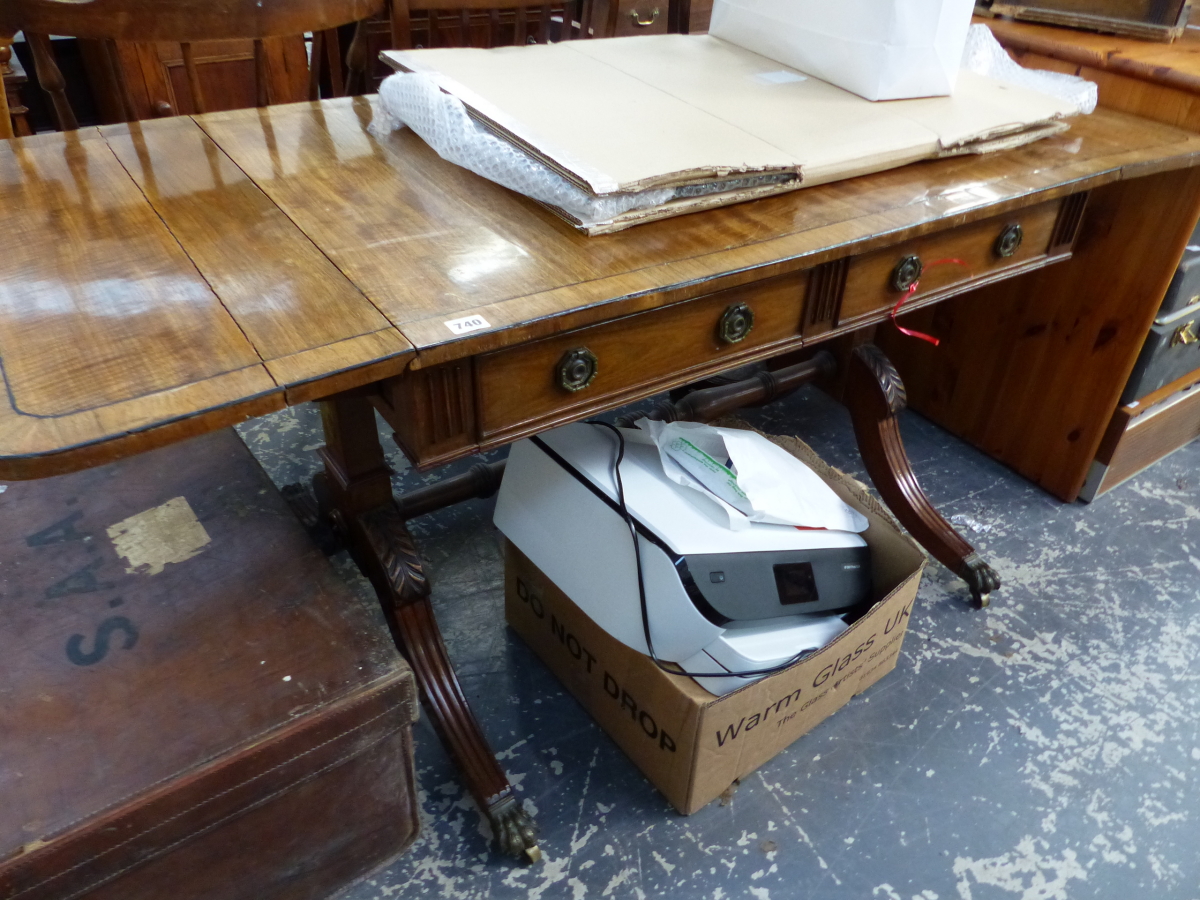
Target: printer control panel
{"x":767,"y":585}
{"x":796,"y":583}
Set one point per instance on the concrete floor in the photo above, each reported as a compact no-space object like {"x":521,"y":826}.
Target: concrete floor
{"x":1048,"y":747}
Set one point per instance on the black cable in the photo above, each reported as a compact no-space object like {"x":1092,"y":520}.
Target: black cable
{"x":637,"y":555}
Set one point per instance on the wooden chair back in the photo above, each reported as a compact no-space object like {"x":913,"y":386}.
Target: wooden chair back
{"x":6,"y":122}
{"x":185,"y":22}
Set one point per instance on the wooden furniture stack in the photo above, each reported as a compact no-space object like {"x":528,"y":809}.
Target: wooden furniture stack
{"x":148,"y":73}
{"x":492,"y":23}
{"x":157,"y":75}
{"x":154,"y":78}
{"x":626,"y":18}
{"x":488,"y":23}
{"x":13,"y":120}
{"x":965,"y":384}
{"x":1152,"y":20}
{"x":132,"y":45}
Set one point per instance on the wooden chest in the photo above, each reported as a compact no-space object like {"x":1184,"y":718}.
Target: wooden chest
{"x":191,"y":704}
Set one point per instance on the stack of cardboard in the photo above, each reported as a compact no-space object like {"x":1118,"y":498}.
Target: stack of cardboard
{"x":711,"y":120}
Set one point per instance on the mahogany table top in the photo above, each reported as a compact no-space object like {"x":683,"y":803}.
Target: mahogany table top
{"x":162,"y":279}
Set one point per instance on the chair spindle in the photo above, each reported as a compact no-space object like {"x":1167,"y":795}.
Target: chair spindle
{"x":568,"y":21}
{"x":112,"y":60}
{"x":316,"y":52}
{"x":401,"y":24}
{"x":520,"y":35}
{"x":52,"y":81}
{"x":493,"y":38}
{"x":263,"y":94}
{"x":333,"y":56}
{"x":193,"y":76}
{"x":585,"y":18}
{"x":356,"y":61}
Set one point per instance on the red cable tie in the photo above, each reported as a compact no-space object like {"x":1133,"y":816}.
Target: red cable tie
{"x":912,"y":289}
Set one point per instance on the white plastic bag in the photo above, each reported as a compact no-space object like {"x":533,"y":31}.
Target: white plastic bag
{"x":878,"y":49}
{"x":747,"y":477}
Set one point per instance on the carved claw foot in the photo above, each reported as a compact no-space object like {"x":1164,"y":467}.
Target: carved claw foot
{"x":980,"y":578}
{"x":515,"y":831}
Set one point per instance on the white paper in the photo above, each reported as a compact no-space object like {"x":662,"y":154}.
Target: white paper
{"x":467,"y":324}
{"x":878,"y":49}
{"x":771,"y":486}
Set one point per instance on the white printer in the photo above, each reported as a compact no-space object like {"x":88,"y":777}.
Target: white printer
{"x":717,"y":600}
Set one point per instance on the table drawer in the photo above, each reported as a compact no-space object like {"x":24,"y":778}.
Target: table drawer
{"x":959,"y":259}
{"x":595,"y":367}
{"x":445,"y":411}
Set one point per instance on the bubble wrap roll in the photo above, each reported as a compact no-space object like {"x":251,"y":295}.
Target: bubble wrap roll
{"x":983,"y":55}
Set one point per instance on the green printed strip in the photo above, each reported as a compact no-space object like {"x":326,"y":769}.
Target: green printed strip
{"x":694,"y":453}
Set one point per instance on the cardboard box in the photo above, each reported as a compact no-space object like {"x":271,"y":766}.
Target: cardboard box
{"x":689,"y":743}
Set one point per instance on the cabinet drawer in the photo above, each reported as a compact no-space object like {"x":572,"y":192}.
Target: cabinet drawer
{"x":1138,"y":437}
{"x":632,"y":17}
{"x":1171,"y":351}
{"x":518,"y":388}
{"x":959,"y":259}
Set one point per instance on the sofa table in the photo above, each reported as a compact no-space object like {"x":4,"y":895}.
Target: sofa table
{"x":169,"y":278}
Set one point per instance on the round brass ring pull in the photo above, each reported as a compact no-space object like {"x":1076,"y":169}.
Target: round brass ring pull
{"x":1009,"y":240}
{"x":577,"y":369}
{"x":643,"y":23}
{"x":736,"y":322}
{"x":907,"y":273}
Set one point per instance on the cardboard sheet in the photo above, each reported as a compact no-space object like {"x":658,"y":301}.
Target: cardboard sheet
{"x":627,"y":114}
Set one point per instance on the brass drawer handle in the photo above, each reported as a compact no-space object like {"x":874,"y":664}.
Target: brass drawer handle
{"x":643,"y":23}
{"x":1185,"y":335}
{"x":577,"y":369}
{"x":1009,"y":240}
{"x":736,"y":322}
{"x":907,"y":273}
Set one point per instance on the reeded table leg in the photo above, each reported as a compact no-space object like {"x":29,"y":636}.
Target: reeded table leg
{"x":874,"y":395}
{"x":355,"y":493}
